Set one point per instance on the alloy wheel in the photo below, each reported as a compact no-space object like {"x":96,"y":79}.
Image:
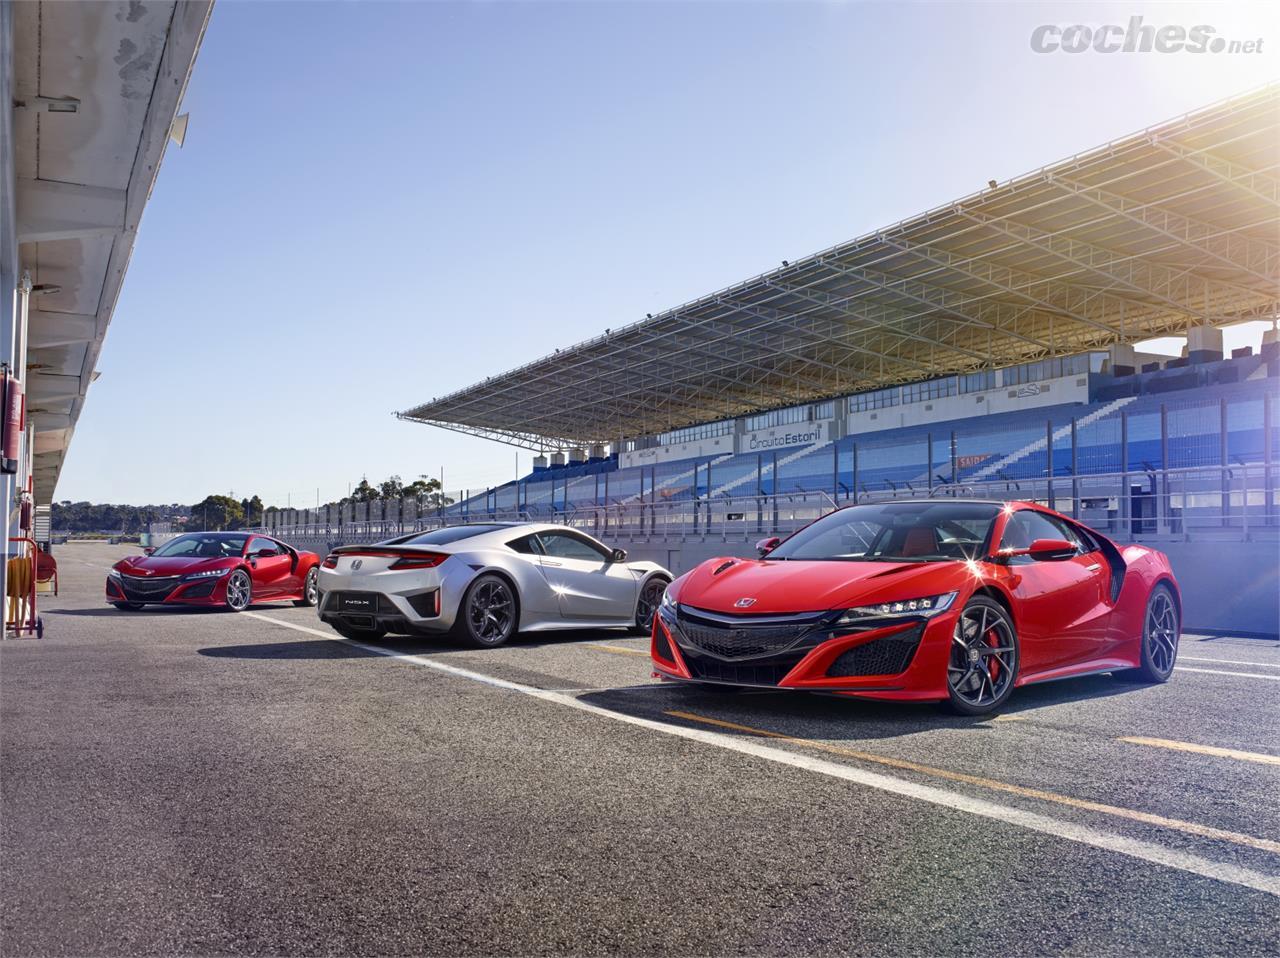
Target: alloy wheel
{"x":650,"y":598}
{"x":311,"y":587}
{"x":1161,"y":632}
{"x":984,"y":657}
{"x":491,"y":612}
{"x":238,"y":591}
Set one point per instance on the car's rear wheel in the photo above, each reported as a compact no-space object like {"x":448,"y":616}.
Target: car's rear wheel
{"x":1161,"y":628}
{"x":647,"y":604}
{"x":127,"y":606}
{"x":358,"y":633}
{"x":309,"y":588}
{"x":489,"y":613}
{"x":239,"y":591}
{"x":983,"y":665}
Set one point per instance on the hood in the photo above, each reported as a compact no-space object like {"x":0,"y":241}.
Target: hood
{"x":782,"y":586}
{"x":177,"y":565}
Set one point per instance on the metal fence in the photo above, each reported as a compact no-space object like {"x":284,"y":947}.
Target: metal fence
{"x":1150,"y":468}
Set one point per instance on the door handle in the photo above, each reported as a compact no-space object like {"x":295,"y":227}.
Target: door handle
{"x":1093,"y":568}
{"x":546,"y":562}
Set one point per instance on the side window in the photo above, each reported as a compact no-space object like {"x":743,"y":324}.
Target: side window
{"x":526,"y":546}
{"x":258,"y":544}
{"x":1028,"y":525}
{"x":564,"y":546}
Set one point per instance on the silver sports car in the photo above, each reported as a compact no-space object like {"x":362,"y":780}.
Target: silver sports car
{"x":486,"y":583}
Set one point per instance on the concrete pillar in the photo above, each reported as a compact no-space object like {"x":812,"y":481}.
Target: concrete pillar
{"x":1204,"y":344}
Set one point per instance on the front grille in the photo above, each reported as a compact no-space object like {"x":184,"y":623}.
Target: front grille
{"x":743,"y":637}
{"x":887,"y":656}
{"x":712,"y":670}
{"x":662,"y":646}
{"x":147,"y":585}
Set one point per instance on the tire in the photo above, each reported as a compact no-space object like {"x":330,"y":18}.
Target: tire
{"x":489,"y":613}
{"x":308,"y":599}
{"x":1161,"y":629}
{"x":983,"y":666}
{"x":354,"y":632}
{"x":647,"y":604}
{"x":127,"y":606}
{"x":239,"y":591}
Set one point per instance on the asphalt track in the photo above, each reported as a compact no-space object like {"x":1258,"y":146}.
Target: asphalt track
{"x":211,"y":783}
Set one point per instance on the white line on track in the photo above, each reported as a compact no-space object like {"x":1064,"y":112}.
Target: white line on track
{"x":1243,"y":675}
{"x":1071,"y":831}
{"x":1261,"y":665}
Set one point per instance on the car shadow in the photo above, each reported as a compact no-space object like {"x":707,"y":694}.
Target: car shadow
{"x":817,"y":717}
{"x":129,"y":613}
{"x":288,"y":651}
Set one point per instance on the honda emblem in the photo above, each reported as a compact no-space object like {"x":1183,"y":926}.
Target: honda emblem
{"x":356,"y":563}
{"x":745,"y":603}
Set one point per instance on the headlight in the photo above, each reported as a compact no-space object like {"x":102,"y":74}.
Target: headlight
{"x":668,"y":601}
{"x":906,"y":608}
{"x":113,"y":573}
{"x":207,"y":574}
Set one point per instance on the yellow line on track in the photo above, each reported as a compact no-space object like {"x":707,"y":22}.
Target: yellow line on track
{"x":1177,"y":746}
{"x":618,"y":650}
{"x":1190,"y":828}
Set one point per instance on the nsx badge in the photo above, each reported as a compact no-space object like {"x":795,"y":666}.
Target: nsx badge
{"x":745,"y":603}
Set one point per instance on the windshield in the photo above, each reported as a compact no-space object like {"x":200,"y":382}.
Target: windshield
{"x":895,"y":532}
{"x":202,"y":545}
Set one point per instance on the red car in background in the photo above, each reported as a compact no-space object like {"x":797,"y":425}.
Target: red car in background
{"x":228,"y":570}
{"x":946,"y":600}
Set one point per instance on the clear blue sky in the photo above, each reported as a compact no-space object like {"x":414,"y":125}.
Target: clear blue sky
{"x":378,"y":203}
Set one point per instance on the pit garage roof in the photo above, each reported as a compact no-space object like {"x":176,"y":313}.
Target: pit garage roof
{"x":1173,"y":227}
{"x":83,"y":178}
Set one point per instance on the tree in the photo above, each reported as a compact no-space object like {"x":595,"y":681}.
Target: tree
{"x":216,"y":512}
{"x":428,"y":492}
{"x":391,"y":488}
{"x":364,"y":492}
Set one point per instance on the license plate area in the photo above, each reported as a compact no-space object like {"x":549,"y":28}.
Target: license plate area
{"x":359,"y":603}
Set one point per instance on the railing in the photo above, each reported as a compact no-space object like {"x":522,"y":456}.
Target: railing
{"x":1235,"y":503}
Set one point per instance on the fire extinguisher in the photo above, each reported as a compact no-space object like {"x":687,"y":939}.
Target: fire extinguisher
{"x":14,"y":419}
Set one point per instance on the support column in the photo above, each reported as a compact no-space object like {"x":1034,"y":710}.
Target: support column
{"x":1048,"y":461}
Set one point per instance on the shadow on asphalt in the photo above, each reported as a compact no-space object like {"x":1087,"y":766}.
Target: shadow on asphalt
{"x":288,"y":651}
{"x":804,"y":715}
{"x":129,"y":613}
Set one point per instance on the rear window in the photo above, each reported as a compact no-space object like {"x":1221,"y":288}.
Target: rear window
{"x":441,"y":537}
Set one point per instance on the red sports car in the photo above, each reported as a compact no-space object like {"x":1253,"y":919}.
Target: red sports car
{"x":226,"y":569}
{"x":949,"y":600}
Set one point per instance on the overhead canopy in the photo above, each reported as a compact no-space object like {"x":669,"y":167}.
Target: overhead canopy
{"x":1173,"y":227}
{"x":85,"y":165}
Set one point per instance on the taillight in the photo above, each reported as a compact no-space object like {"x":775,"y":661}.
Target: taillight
{"x":330,"y":561}
{"x":427,"y":560}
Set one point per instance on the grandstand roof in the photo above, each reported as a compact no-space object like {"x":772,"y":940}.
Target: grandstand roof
{"x":1173,"y":227}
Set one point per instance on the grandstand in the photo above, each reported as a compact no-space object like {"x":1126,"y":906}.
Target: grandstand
{"x":984,"y":348}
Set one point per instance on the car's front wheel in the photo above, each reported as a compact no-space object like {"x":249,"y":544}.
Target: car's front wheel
{"x":239,"y":591}
{"x":983,"y":665}
{"x":647,"y":604}
{"x":489,"y":613}
{"x":1161,"y":628}
{"x":310,"y":589}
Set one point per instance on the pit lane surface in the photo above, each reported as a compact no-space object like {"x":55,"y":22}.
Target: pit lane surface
{"x":212,"y":783}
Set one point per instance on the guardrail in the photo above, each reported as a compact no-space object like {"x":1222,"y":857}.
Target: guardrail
{"x":1239,"y":502}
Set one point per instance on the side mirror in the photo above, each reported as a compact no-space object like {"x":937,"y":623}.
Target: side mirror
{"x":619,"y":555}
{"x":1044,"y":550}
{"x":264,"y":554}
{"x":765,"y":546}
{"x":148,"y":550}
